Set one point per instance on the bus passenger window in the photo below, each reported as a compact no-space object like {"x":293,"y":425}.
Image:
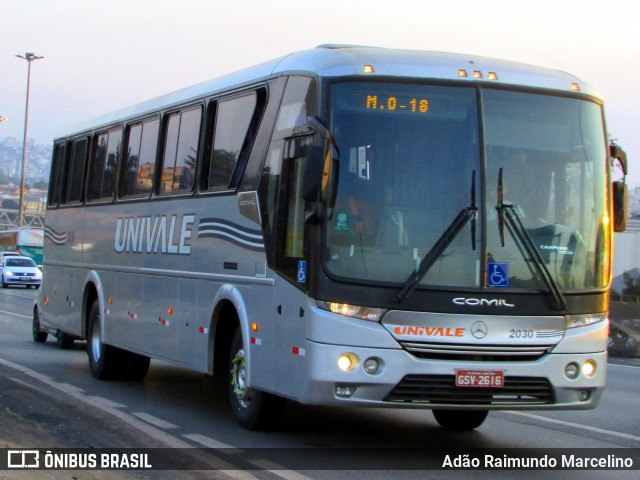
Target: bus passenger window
{"x":181,"y":151}
{"x":76,"y":171}
{"x":55,"y":183}
{"x":104,"y":165}
{"x":233,"y":120}
{"x":140,"y":159}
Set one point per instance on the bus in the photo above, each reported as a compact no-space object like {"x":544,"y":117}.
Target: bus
{"x":27,"y":242}
{"x":345,"y":226}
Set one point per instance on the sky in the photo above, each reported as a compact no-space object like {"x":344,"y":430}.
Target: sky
{"x":101,"y":55}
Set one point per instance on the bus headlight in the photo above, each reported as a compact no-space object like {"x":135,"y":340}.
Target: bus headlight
{"x":574,"y":321}
{"x":355,"y":311}
{"x":589,"y":368}
{"x":347,"y":362}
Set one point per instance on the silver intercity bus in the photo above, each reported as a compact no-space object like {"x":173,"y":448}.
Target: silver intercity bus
{"x":345,"y":226}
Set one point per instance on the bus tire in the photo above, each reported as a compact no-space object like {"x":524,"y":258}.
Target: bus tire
{"x":460,"y":419}
{"x":64,"y":341}
{"x":254,"y":410}
{"x":105,"y":361}
{"x":38,"y":335}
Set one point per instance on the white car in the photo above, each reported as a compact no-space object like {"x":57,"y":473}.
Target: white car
{"x":20,"y":271}
{"x":4,"y":255}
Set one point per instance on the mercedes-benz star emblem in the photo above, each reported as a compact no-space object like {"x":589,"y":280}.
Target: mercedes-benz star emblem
{"x":479,"y":329}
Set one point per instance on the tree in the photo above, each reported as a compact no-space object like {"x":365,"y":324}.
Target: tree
{"x":631,"y":284}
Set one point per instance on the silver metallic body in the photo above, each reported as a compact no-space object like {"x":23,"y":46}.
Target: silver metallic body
{"x":159,"y":294}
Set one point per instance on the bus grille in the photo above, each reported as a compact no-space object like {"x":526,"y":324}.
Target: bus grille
{"x":477,"y":353}
{"x":441,"y":389}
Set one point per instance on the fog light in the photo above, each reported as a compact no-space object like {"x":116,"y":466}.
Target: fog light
{"x":584,"y":395}
{"x":347,"y":362}
{"x":572,"y":371}
{"x":589,"y":368}
{"x":345,"y":391}
{"x":371,"y":366}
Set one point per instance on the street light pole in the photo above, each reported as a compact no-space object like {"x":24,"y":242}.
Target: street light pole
{"x":29,"y":57}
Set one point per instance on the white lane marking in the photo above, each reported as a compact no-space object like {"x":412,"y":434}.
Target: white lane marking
{"x":106,"y":402}
{"x":279,"y":470}
{"x":16,"y":314}
{"x":67,"y":387}
{"x":623,"y":366}
{"x":169,"y":440}
{"x":13,"y":294}
{"x":158,"y":422}
{"x":211,"y":443}
{"x":576,"y":425}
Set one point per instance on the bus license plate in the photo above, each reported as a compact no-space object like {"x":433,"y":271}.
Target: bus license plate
{"x":480,"y":378}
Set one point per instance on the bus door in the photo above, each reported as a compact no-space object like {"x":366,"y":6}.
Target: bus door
{"x":292,"y":266}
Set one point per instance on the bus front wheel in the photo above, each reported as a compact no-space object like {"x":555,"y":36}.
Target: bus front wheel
{"x":460,"y":419}
{"x":254,"y":410}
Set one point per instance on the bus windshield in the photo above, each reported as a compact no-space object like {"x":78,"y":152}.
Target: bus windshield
{"x":414,"y":156}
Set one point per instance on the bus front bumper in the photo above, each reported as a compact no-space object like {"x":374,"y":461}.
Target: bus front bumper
{"x":405,"y":381}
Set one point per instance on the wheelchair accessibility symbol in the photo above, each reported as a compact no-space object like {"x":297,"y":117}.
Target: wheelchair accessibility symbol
{"x":498,"y":274}
{"x":302,"y":271}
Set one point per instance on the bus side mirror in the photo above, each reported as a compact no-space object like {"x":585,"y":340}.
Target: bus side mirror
{"x":620,"y":192}
{"x":620,"y":155}
{"x":620,"y":206}
{"x":320,"y":179}
{"x":311,"y":183}
{"x":320,"y":176}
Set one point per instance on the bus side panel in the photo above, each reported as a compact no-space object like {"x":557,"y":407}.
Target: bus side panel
{"x":159,"y":294}
{"x":185,"y":315}
{"x":291,"y":333}
{"x":261,"y":342}
{"x":126,"y":313}
{"x":62,"y":279}
{"x":54,"y":304}
{"x":202,"y":327}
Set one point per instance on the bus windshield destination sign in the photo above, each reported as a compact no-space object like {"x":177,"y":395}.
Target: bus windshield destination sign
{"x":392,"y":103}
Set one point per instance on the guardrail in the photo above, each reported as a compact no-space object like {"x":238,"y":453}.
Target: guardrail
{"x":9,"y":218}
{"x":624,"y":298}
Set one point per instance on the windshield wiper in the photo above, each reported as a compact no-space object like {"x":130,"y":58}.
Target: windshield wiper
{"x":452,"y":231}
{"x":509,"y":212}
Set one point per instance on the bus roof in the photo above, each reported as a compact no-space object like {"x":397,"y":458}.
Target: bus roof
{"x":348,"y":60}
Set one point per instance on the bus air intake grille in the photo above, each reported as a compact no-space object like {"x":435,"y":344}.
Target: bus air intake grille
{"x":442,"y":390}
{"x":477,"y":353}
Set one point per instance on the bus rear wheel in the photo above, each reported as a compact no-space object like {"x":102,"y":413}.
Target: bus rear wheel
{"x":38,"y":335}
{"x":105,"y":361}
{"x":254,"y":410}
{"x":460,"y":419}
{"x":108,"y":362}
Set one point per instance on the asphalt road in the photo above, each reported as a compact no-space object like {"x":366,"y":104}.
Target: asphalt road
{"x":49,"y":399}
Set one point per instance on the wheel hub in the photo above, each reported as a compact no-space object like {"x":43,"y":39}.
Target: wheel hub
{"x":238,"y":383}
